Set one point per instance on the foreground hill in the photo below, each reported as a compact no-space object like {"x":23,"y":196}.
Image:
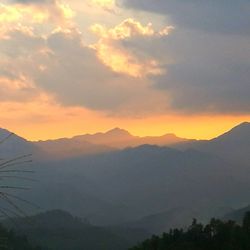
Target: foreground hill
{"x":10,"y":240}
{"x":216,"y":235}
{"x":59,"y":230}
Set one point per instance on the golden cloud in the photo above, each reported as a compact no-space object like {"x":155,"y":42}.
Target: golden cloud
{"x":124,"y":62}
{"x":118,"y":58}
{"x":108,"y":5}
{"x":127,"y":29}
{"x":56,"y":13}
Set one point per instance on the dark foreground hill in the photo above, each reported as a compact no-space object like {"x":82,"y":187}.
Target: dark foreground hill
{"x":59,"y":230}
{"x":217,"y":235}
{"x":11,"y":241}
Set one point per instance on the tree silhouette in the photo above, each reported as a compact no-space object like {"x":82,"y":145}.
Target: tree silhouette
{"x":217,"y":235}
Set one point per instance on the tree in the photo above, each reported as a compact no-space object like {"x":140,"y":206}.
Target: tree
{"x":216,"y":235}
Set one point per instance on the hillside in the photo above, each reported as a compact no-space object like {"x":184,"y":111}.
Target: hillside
{"x":127,"y":185}
{"x":215,"y":235}
{"x":59,"y":230}
{"x":10,"y":240}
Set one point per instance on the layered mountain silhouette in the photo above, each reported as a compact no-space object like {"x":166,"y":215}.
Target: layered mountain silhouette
{"x":233,"y":145}
{"x":111,"y":179}
{"x":102,"y":142}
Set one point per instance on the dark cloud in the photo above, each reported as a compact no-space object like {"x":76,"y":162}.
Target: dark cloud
{"x":193,"y":89}
{"x":226,"y":16}
{"x":209,"y":74}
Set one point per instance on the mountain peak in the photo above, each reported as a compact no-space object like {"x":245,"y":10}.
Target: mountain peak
{"x":239,"y":132}
{"x":4,"y":132}
{"x":243,"y":125}
{"x":241,"y":128}
{"x":117,"y":131}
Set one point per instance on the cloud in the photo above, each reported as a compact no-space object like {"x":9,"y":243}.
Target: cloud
{"x":127,"y":68}
{"x":224,"y":16}
{"x":30,"y":13}
{"x":210,"y":74}
{"x":62,"y":66}
{"x":112,"y":50}
{"x":21,"y":90}
{"x":18,"y":42}
{"x":107,"y":5}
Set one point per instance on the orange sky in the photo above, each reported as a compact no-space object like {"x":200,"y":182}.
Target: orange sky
{"x":76,"y":67}
{"x":58,"y":122}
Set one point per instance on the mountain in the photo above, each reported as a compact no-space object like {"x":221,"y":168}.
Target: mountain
{"x":69,"y":148}
{"x":125,"y":185}
{"x":81,"y":145}
{"x":59,"y":230}
{"x":13,"y":145}
{"x":112,"y":140}
{"x":120,"y":138}
{"x":233,"y":145}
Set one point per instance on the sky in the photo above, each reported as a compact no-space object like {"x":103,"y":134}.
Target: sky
{"x":149,"y":66}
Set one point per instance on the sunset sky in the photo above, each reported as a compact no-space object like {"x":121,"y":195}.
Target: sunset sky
{"x":149,"y":66}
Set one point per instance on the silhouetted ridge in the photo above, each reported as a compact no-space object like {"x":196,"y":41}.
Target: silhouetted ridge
{"x":118,"y":131}
{"x":240,"y":132}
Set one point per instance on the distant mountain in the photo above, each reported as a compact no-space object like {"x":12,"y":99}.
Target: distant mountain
{"x":112,"y":186}
{"x":120,"y":138}
{"x":13,"y":145}
{"x":59,"y":230}
{"x":126,"y":185}
{"x":69,"y":148}
{"x":80,"y":145}
{"x":101,"y":142}
{"x":233,"y":145}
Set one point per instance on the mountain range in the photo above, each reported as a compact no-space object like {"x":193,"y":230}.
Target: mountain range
{"x":101,"y":142}
{"x":115,"y":178}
